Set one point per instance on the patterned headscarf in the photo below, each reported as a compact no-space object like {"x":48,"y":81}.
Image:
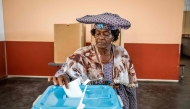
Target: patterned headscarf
{"x":105,"y":21}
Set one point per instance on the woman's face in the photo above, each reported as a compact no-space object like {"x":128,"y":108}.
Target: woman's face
{"x":103,"y":38}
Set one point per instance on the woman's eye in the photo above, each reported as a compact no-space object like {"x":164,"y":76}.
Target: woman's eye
{"x":106,"y":34}
{"x":97,"y":34}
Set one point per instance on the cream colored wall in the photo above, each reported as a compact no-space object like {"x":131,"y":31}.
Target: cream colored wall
{"x":2,"y":36}
{"x":186,"y":22}
{"x":153,"y":21}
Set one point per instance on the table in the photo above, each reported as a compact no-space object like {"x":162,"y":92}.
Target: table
{"x":55,"y":64}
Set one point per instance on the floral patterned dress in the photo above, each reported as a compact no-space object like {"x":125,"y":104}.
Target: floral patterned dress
{"x":128,"y":95}
{"x":84,"y":63}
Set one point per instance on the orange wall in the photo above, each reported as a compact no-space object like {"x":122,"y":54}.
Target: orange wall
{"x":2,"y":36}
{"x":30,"y":58}
{"x":153,"y":41}
{"x":153,"y":21}
{"x":2,"y":44}
{"x":155,"y":61}
{"x":151,"y":61}
{"x":2,"y":59}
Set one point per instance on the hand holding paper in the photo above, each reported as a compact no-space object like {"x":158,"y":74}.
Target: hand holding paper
{"x":74,"y":89}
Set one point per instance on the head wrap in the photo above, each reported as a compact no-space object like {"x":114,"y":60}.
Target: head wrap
{"x":105,"y":21}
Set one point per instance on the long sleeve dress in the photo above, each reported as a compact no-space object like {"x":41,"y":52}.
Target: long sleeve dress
{"x":85,"y":63}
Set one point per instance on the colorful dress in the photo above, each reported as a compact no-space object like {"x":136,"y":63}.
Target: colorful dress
{"x":85,"y":63}
{"x":127,"y":94}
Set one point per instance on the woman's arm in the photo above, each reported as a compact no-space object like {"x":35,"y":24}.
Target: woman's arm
{"x":73,"y":68}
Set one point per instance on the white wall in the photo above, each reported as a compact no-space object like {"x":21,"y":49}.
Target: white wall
{"x":2,"y":36}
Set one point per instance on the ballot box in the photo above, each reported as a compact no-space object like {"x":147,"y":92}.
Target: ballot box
{"x":95,"y":97}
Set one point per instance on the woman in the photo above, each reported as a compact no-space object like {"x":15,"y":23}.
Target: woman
{"x":103,"y":63}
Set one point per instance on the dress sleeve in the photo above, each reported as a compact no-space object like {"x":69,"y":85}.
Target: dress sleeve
{"x":60,"y":71}
{"x":131,"y":70}
{"x":74,"y":67}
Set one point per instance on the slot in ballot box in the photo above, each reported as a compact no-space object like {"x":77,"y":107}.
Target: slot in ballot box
{"x":96,"y":97}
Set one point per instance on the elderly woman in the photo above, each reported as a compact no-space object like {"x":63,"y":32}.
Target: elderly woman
{"x":103,"y":63}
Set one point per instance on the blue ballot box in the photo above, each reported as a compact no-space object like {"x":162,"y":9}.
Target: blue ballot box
{"x":96,"y":97}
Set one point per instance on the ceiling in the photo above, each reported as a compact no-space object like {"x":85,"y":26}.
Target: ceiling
{"x":186,"y":5}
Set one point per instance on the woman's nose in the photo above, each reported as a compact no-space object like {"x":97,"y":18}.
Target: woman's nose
{"x":102,"y":36}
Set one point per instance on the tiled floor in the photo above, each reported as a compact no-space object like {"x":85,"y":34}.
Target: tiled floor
{"x":166,"y":95}
{"x":20,"y":93}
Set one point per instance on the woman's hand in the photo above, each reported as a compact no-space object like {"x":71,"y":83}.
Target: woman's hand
{"x":61,"y":80}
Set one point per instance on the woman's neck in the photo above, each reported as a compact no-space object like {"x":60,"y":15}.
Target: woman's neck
{"x":105,"y":51}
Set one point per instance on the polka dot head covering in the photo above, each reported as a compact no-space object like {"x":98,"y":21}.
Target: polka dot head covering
{"x":105,"y":21}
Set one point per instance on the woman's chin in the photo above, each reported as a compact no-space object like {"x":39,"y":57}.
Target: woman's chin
{"x":100,"y":45}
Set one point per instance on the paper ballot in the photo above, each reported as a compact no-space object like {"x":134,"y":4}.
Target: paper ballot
{"x":74,"y":89}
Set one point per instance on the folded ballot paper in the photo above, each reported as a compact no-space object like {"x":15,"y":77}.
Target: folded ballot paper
{"x":74,"y":90}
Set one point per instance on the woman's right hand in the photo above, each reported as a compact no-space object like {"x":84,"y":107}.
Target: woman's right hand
{"x":60,"y":80}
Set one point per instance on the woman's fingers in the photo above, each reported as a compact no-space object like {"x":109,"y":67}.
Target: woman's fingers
{"x":60,"y":80}
{"x":50,"y":78}
{"x":55,"y":81}
{"x":65,"y":79}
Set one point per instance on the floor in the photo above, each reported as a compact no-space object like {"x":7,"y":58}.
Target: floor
{"x":20,"y":93}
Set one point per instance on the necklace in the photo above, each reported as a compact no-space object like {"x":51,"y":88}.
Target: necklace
{"x":100,"y":59}
{"x":104,"y":62}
